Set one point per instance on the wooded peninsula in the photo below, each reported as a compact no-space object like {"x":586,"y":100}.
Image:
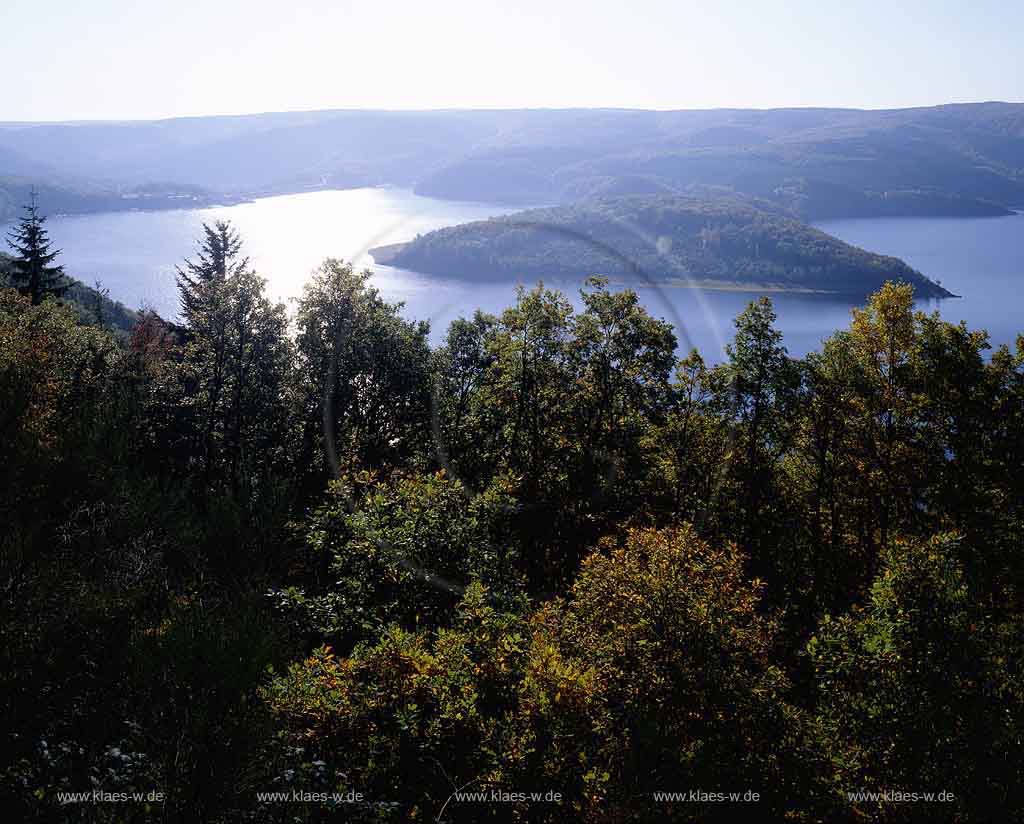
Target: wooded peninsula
{"x":657,"y":239}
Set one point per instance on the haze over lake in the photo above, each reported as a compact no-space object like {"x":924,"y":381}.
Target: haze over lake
{"x":286,"y":237}
{"x":134,"y":254}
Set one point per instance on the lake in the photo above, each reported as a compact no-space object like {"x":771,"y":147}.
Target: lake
{"x":134,"y":254}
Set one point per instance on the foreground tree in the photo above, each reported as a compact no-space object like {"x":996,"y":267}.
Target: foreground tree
{"x":217,"y":259}
{"x":561,"y":401}
{"x":223,"y":402}
{"x":653,"y":674}
{"x":399,"y":552}
{"x":759,"y":384}
{"x":54,"y":376}
{"x":31,"y":268}
{"x":917,"y":690}
{"x":658,"y":670}
{"x":364,"y":377}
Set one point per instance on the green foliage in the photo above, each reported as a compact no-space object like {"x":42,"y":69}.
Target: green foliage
{"x":908,"y":696}
{"x":217,"y":259}
{"x":55,"y":376}
{"x":763,"y":383}
{"x":93,"y":303}
{"x":412,"y":717}
{"x":545,"y":556}
{"x":578,"y":458}
{"x":364,"y":382}
{"x":31,"y":269}
{"x":661,"y":671}
{"x":222,"y":405}
{"x":195,"y":675}
{"x":654,"y":674}
{"x":402,"y":551}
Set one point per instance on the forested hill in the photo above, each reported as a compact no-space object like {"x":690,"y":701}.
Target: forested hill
{"x":723,"y":242}
{"x":92,"y":305}
{"x":964,"y":159}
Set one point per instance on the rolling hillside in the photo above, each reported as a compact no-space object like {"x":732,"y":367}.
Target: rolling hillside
{"x":964,"y":159}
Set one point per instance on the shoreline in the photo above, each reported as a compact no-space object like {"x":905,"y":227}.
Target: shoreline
{"x":228,"y":199}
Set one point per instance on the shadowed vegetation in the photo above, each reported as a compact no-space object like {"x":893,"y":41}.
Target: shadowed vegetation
{"x":255,"y":553}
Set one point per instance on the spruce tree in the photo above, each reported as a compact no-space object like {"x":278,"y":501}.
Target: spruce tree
{"x":31,"y":269}
{"x":235,"y":361}
{"x":217,"y":259}
{"x":100,"y":295}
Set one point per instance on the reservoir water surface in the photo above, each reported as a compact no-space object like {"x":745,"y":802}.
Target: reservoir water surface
{"x":286,"y":237}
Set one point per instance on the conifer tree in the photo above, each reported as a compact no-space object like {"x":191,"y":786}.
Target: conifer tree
{"x":217,"y":259}
{"x":235,"y":360}
{"x":31,"y":268}
{"x":100,"y":295}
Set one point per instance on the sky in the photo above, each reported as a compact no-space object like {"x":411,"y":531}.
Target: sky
{"x":147,"y":59}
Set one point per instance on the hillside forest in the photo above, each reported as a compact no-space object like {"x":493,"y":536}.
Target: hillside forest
{"x":963,"y":160}
{"x":262,"y":564}
{"x":711,"y":242}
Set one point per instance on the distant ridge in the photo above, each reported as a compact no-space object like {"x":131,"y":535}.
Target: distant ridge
{"x":963,"y":159}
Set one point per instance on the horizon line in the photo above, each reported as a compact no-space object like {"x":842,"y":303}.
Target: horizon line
{"x":497,"y":110}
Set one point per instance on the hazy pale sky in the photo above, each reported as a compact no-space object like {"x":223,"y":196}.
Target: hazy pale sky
{"x":121,"y":59}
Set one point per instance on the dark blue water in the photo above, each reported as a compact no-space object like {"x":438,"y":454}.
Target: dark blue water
{"x":980,"y":259}
{"x":134,"y":255}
